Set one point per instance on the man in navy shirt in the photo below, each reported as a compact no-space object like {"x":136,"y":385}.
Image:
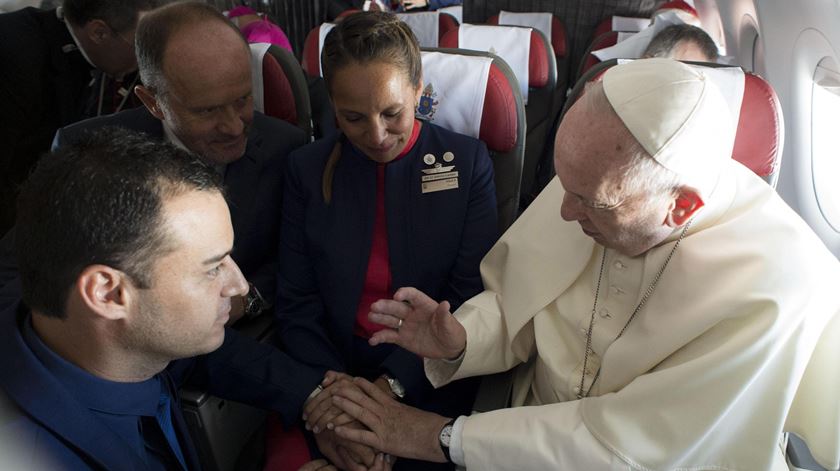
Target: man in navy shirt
{"x":124,"y":252}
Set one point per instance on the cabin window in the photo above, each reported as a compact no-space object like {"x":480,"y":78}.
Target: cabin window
{"x":825,"y":138}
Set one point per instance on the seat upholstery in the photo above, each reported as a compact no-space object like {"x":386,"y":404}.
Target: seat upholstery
{"x":559,"y":43}
{"x":285,"y":92}
{"x":588,"y":60}
{"x":502,"y":129}
{"x":541,"y":110}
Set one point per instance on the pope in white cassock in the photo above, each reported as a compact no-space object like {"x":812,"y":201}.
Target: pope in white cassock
{"x":659,"y":303}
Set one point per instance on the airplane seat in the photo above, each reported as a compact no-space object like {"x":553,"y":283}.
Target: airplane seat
{"x":539,"y":107}
{"x":559,"y":43}
{"x":455,"y":103}
{"x":589,"y":60}
{"x":429,"y":26}
{"x":280,"y":88}
{"x":323,"y":115}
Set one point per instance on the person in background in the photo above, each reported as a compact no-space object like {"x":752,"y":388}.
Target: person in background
{"x":258,"y":29}
{"x":386,"y":202}
{"x":60,"y":66}
{"x":682,"y":42}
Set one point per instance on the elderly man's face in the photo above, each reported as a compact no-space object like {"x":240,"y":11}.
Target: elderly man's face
{"x":183,"y":312}
{"x":591,"y":153}
{"x":208,"y":103}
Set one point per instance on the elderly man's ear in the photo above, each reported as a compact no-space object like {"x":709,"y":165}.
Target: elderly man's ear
{"x":684,"y":206}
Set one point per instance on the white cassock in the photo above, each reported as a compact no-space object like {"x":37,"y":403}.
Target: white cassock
{"x":702,"y":378}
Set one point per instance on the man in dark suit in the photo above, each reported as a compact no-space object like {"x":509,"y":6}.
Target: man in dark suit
{"x":124,"y":249}
{"x":198,"y":97}
{"x":60,"y":66}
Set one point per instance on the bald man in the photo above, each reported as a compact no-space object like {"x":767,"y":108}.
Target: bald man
{"x":642,"y":299}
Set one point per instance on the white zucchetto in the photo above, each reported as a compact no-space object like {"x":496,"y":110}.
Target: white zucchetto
{"x":677,"y":114}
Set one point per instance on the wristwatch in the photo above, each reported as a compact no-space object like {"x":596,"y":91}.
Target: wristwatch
{"x":254,"y":302}
{"x":445,"y":438}
{"x":395,"y":385}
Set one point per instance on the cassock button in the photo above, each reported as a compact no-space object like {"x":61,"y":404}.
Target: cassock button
{"x":619,"y":266}
{"x":583,"y":331}
{"x":616,"y":290}
{"x":604,"y":313}
{"x":576,"y":389}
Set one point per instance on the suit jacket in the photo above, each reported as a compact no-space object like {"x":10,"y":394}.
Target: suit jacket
{"x":253,"y":184}
{"x":435,"y":242}
{"x":44,"y":83}
{"x":48,"y":423}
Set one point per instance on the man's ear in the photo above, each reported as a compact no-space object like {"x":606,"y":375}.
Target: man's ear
{"x":105,"y":291}
{"x":684,"y":206}
{"x":149,"y":100}
{"x":97,"y":31}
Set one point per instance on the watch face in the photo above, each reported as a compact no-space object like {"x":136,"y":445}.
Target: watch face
{"x":446,"y":435}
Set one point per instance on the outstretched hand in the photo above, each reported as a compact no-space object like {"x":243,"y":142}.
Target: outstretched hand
{"x":418,"y":324}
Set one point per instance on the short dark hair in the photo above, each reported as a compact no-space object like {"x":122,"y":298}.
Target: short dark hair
{"x":371,"y":36}
{"x":157,"y":28}
{"x":98,"y":201}
{"x":120,"y":15}
{"x":665,"y":41}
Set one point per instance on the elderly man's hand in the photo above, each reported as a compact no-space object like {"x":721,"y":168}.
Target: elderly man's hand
{"x":394,"y":428}
{"x":346,"y":454}
{"x":418,"y":324}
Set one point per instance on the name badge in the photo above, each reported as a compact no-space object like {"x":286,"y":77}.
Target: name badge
{"x":438,"y":178}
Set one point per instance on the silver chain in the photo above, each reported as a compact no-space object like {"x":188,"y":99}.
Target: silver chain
{"x":581,"y":394}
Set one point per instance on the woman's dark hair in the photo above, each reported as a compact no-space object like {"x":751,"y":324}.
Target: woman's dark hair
{"x":364,"y":38}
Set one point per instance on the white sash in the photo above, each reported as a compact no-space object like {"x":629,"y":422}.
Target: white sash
{"x":538,"y":21}
{"x":511,"y":43}
{"x":453,"y":91}
{"x":426,"y":26}
{"x":322,"y":34}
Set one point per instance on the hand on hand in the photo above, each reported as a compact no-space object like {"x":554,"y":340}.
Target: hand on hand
{"x":418,"y":324}
{"x":319,"y":412}
{"x":392,"y":427}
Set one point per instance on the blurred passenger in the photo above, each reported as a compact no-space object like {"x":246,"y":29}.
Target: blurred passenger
{"x":258,"y":29}
{"x":60,"y":66}
{"x":682,"y":42}
{"x":388,"y":201}
{"x":125,"y":256}
{"x":642,"y":299}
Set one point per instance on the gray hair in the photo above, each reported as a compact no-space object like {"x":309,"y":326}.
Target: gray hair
{"x":642,"y":173}
{"x":665,"y":42}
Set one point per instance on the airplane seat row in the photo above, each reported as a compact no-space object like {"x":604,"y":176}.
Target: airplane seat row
{"x":279,"y":86}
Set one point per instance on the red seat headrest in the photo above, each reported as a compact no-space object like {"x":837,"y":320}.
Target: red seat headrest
{"x":758,"y":140}
{"x":538,"y":58}
{"x":498,"y":120}
{"x":558,"y":34}
{"x":311,"y":60}
{"x":278,"y":98}
{"x":678,"y":5}
{"x":610,"y":38}
{"x":446,"y":23}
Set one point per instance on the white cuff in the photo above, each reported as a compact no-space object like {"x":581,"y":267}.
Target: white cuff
{"x":456,"y":451}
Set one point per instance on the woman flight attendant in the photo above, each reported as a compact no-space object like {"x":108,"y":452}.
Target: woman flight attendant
{"x":389,"y":201}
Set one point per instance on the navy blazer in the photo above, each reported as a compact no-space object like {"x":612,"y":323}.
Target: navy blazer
{"x":47,"y":422}
{"x":253,"y":185}
{"x":435,"y":242}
